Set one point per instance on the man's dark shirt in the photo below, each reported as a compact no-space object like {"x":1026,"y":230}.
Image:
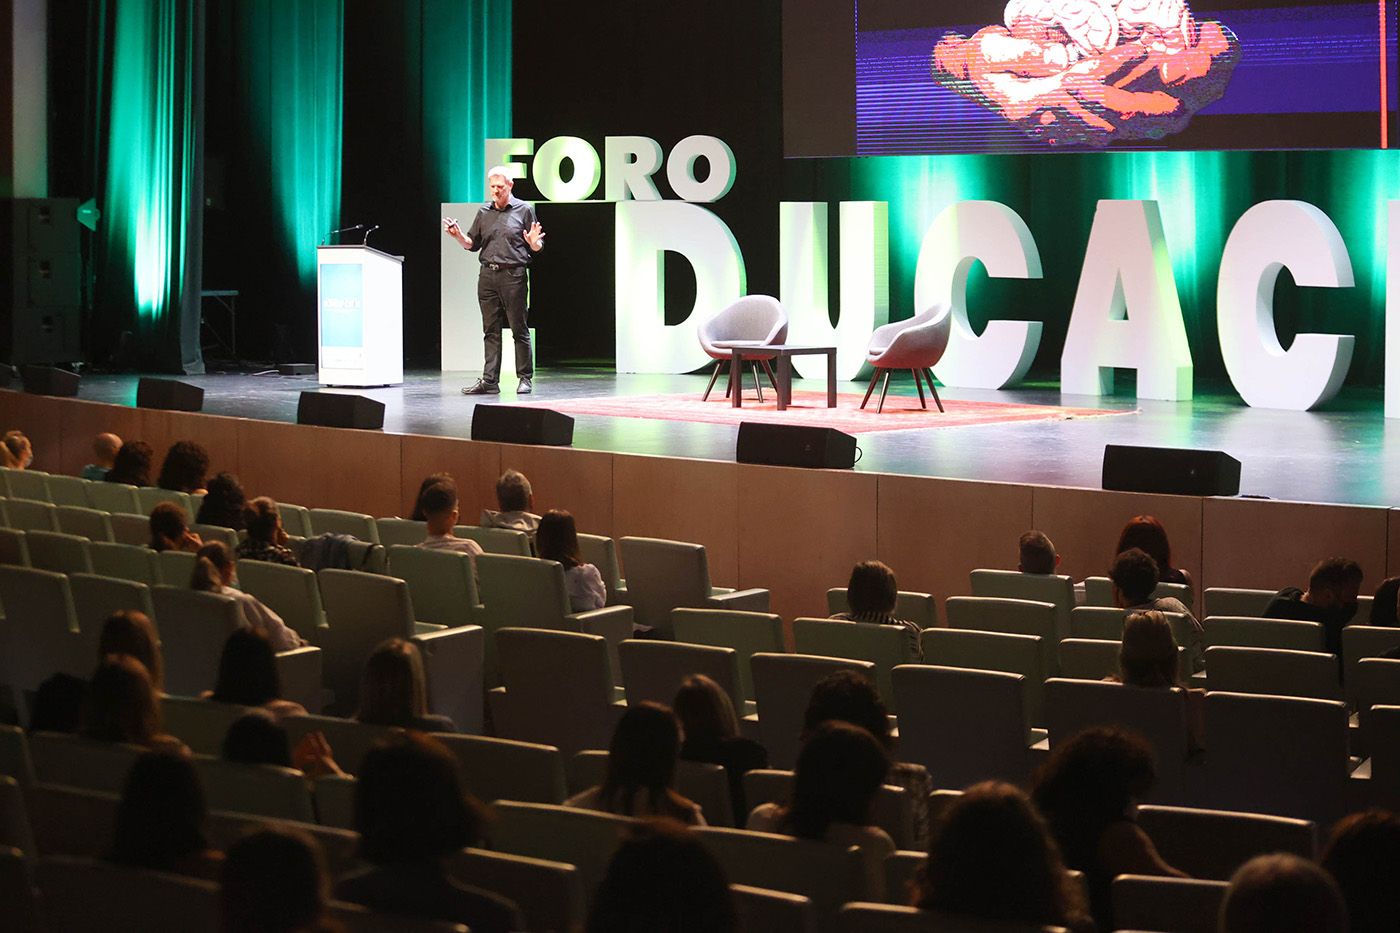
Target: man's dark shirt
{"x":500,"y":234}
{"x":1288,"y":604}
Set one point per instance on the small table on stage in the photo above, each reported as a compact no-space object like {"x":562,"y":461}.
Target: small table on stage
{"x":784,"y":353}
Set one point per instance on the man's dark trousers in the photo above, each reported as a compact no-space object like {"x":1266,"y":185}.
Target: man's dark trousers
{"x":501,"y":292}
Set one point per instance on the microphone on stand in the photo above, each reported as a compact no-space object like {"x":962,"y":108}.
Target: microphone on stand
{"x":365,"y":241}
{"x":341,"y":230}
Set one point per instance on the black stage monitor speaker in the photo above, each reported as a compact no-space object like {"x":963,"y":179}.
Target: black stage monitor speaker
{"x":45,"y":380}
{"x":338,"y":410}
{"x":795,"y":445}
{"x":514,"y":424}
{"x":1170,"y":470}
{"x":169,"y":395}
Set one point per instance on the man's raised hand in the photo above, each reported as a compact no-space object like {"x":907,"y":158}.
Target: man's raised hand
{"x":451,"y":228}
{"x":534,"y":237}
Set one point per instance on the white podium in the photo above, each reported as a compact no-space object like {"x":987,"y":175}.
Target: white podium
{"x":359,"y":322}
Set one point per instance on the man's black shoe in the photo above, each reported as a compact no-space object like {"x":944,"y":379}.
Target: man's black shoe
{"x":482,"y":387}
{"x":525,"y":387}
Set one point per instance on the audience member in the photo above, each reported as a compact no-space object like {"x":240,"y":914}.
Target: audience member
{"x":711,"y":734}
{"x":1363,"y":857}
{"x":248,"y":675}
{"x":1134,"y":574}
{"x":439,"y":504}
{"x":1089,"y":790}
{"x":258,"y":738}
{"x":1148,"y":658}
{"x":127,"y":631}
{"x":992,"y":857}
{"x":642,"y":769}
{"x":663,"y":880}
{"x":839,"y":771}
{"x":274,"y":881}
{"x":1038,"y":554}
{"x":1331,"y":596}
{"x":847,"y":696}
{"x":1147,"y":534}
{"x":185,"y":467}
{"x":17,"y":451}
{"x":223,"y":504}
{"x":122,"y":706}
{"x":412,"y":814}
{"x":266,"y":540}
{"x":393,"y":690}
{"x":871,"y":596}
{"x":170,"y":531}
{"x":428,"y":482}
{"x":515,"y":499}
{"x":160,"y":820}
{"x":1384,"y":604}
{"x":214,"y":572}
{"x":58,"y":704}
{"x":104,"y":457}
{"x":557,"y":539}
{"x":132,"y":464}
{"x":1282,"y":893}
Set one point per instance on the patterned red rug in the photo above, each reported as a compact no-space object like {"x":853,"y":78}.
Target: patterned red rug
{"x":902,"y":413}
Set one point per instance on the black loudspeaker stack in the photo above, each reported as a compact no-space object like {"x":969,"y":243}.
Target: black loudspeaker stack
{"x":512,"y":424}
{"x":795,"y":445}
{"x":169,"y":395}
{"x":1171,"y":470}
{"x":45,"y":380}
{"x":39,"y":312}
{"x":338,"y":410}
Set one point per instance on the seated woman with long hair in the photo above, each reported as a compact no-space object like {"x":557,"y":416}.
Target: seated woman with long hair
{"x":122,"y":706}
{"x":839,"y":771}
{"x":185,"y":467}
{"x":393,"y":690}
{"x":130,"y":632}
{"x":214,"y":572}
{"x":711,"y":731}
{"x":132,"y":464}
{"x":557,"y":539}
{"x":992,"y":857}
{"x":642,"y":769}
{"x":160,"y":820}
{"x":267,"y":539}
{"x":1148,"y":534}
{"x":248,"y":675}
{"x":223,"y":503}
{"x":274,"y":880}
{"x":662,"y":879}
{"x":1148,"y":657}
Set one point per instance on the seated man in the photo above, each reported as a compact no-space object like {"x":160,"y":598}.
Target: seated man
{"x":104,"y":454}
{"x":439,"y":503}
{"x":871,"y":595}
{"x":1134,"y":576}
{"x":1038,"y":554}
{"x":516,"y":499}
{"x":1330,"y":599}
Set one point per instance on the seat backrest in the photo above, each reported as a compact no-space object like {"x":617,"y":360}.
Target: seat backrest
{"x":653,"y":670}
{"x":772,"y":911}
{"x":508,"y":541}
{"x":1102,"y":622}
{"x":17,"y":890}
{"x":73,"y":888}
{"x":296,"y":519}
{"x":1255,"y":632}
{"x":96,"y":597}
{"x":865,"y":917}
{"x":885,"y":646}
{"x":349,"y":739}
{"x":148,"y":497}
{"x":1098,"y":592}
{"x":87,"y":764}
{"x":827,"y":873}
{"x":176,"y":567}
{"x":13,"y":549}
{"x":334,"y":795}
{"x":919,"y":608}
{"x":454,"y":666}
{"x":1213,"y":843}
{"x":200,"y":724}
{"x":664,"y":575}
{"x":128,"y":528}
{"x":1158,"y":715}
{"x":783,"y":686}
{"x":523,"y":592}
{"x":26,"y":484}
{"x":67,"y":490}
{"x":1365,"y":641}
{"x":893,"y":810}
{"x":294,"y":593}
{"x":992,"y":651}
{"x":362,"y":610}
{"x":93,"y":524}
{"x":15,"y":830}
{"x":30,"y":515}
{"x":1255,"y":741}
{"x":750,"y":317}
{"x":748,"y":633}
{"x":126,"y":561}
{"x":41,"y":627}
{"x":1383,"y":739}
{"x":194,"y":626}
{"x":704,"y":784}
{"x":1088,"y":658}
{"x":14,"y":755}
{"x":1377,"y":684}
{"x":352,"y":918}
{"x":208,"y":533}
{"x":1233,"y":601}
{"x":558,"y":688}
{"x":341,"y":522}
{"x":262,"y":790}
{"x":116,"y":498}
{"x":503,"y":769}
{"x":963,"y":725}
{"x":549,"y":893}
{"x":601,"y":552}
{"x":404,"y":531}
{"x":1056,"y":589}
{"x":1273,"y":671}
{"x":1013,"y":616}
{"x":585,"y":839}
{"x":1142,"y":902}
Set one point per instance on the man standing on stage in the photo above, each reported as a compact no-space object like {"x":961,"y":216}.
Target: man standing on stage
{"x":508,"y":235}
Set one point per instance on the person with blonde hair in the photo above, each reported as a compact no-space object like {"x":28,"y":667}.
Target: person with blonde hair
{"x":214,"y":572}
{"x":393,"y":690}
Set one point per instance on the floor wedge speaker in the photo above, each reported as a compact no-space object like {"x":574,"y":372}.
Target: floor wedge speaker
{"x":339,"y":410}
{"x":795,"y":445}
{"x":169,"y":395}
{"x":514,"y":424}
{"x":45,"y":380}
{"x":1171,"y":470}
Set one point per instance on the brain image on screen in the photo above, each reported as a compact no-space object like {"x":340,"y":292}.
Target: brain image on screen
{"x":1092,"y":72}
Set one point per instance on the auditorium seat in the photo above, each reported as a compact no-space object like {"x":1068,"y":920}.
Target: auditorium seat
{"x":496,"y":769}
{"x":96,"y":597}
{"x":663,"y":575}
{"x":26,"y":484}
{"x":148,"y":497}
{"x":1088,"y":658}
{"x":558,"y":689}
{"x":865,"y":917}
{"x":964,"y":725}
{"x":993,"y":651}
{"x":352,"y":918}
{"x":334,"y":797}
{"x":505,"y":541}
{"x":69,"y":820}
{"x":442,"y":583}
{"x":128,"y":528}
{"x":1365,"y":641}
{"x":1213,"y":843}
{"x":294,"y":593}
{"x":585,"y":839}
{"x":41,"y":629}
{"x":885,"y":646}
{"x":193,"y":627}
{"x":454,"y":662}
{"x":701,"y":782}
{"x":176,"y":567}
{"x":893,"y":810}
{"x":28,"y":515}
{"x":114,"y":498}
{"x":760,"y":909}
{"x":261,"y":790}
{"x":400,"y":531}
{"x":87,"y":764}
{"x":125,"y":561}
{"x":783,"y":685}
{"x":748,"y":633}
{"x":1233,"y":601}
{"x":67,"y":490}
{"x":1107,"y":623}
{"x":1014,"y":617}
{"x":1098,"y":591}
{"x":340,"y":846}
{"x":362,"y":610}
{"x":296,"y":519}
{"x":349,"y":740}
{"x":208,"y":533}
{"x":548,"y":893}
{"x":1257,"y":632}
{"x":919,"y":608}
{"x":601,"y":552}
{"x":902,"y":870}
{"x":1377,"y":683}
{"x":1383,"y":767}
{"x":340,"y":522}
{"x":89,"y":896}
{"x":14,"y":755}
{"x":1056,"y":589}
{"x":653,"y":670}
{"x":18,"y":892}
{"x":1185,"y":905}
{"x":14,"y":816}
{"x":14,"y":551}
{"x":93,"y":524}
{"x":828,"y":874}
{"x":1274,"y":671}
{"x":200,"y":724}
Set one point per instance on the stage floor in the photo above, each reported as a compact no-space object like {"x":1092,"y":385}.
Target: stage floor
{"x":1346,"y":453}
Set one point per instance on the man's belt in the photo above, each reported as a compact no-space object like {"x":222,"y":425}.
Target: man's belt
{"x":498,"y":266}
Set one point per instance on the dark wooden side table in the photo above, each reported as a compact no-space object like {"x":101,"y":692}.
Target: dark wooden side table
{"x":783,"y":353}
